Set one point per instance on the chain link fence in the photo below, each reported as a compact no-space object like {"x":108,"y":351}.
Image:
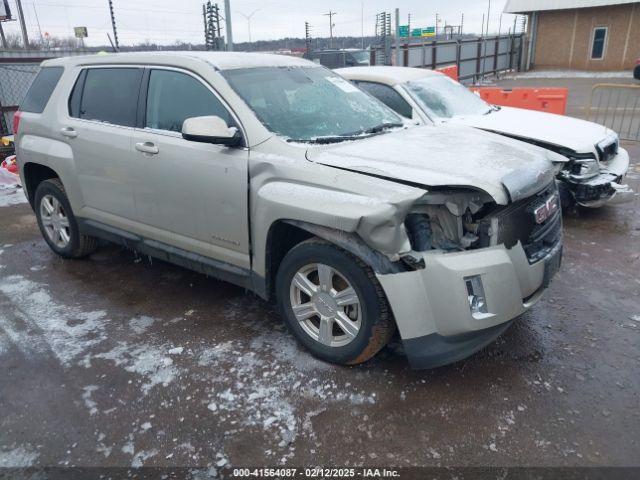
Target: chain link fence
{"x":15,"y":79}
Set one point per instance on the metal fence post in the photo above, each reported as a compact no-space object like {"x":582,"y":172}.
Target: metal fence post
{"x":4,"y":130}
{"x":434,"y":55}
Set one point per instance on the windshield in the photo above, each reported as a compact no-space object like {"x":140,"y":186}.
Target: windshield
{"x":310,"y":104}
{"x":362,"y":56}
{"x":443,"y":97}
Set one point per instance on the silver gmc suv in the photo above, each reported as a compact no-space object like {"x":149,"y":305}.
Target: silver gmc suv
{"x":278,"y":175}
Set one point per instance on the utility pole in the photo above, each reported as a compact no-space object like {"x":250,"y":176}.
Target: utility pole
{"x":113,"y":25}
{"x":397,"y":36}
{"x":23,"y":26}
{"x":362,"y":22}
{"x":307,"y":37}
{"x":488,"y":16}
{"x":4,"y":42}
{"x":437,"y":23}
{"x":330,"y":15}
{"x":227,"y":17}
{"x":40,"y":29}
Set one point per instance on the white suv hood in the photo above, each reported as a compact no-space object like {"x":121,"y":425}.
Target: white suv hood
{"x":578,"y":135}
{"x":454,"y":156}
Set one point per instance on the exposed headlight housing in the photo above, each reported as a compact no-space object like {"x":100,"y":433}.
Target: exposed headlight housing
{"x":583,"y":168}
{"x":608,"y":148}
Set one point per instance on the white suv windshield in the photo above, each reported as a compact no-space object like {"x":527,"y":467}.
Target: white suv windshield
{"x":310,"y":104}
{"x":443,"y":97}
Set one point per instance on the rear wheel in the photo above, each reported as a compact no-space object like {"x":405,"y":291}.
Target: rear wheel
{"x":333,"y":304}
{"x":57,"y":222}
{"x":636,"y":72}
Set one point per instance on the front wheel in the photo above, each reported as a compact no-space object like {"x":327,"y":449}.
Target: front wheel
{"x":332,"y":303}
{"x":636,"y":73}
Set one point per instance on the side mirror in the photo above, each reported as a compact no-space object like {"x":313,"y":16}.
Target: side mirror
{"x":210,"y":129}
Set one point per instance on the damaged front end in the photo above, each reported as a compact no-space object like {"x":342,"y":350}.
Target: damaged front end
{"x":481,"y":264}
{"x":593,"y":182}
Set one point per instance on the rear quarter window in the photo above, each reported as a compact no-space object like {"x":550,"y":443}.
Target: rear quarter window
{"x":41,"y":89}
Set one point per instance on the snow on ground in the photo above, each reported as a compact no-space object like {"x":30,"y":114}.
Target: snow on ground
{"x":11,"y":195}
{"x":10,"y":192}
{"x":18,"y":457}
{"x":566,"y":74}
{"x":260,"y":383}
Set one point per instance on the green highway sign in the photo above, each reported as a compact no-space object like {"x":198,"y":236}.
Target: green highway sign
{"x":423,"y":32}
{"x":403,"y":30}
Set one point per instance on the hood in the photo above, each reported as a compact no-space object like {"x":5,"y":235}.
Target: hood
{"x":577,"y":135}
{"x":446,"y":156}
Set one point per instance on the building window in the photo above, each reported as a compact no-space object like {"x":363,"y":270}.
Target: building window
{"x":599,"y":42}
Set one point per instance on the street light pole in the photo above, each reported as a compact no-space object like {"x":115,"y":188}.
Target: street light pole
{"x":227,"y":11}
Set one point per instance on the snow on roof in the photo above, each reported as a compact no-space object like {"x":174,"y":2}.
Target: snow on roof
{"x":522,"y":6}
{"x":220,"y":60}
{"x":386,"y":75}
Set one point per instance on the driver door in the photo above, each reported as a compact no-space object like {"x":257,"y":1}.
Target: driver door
{"x":188,"y":194}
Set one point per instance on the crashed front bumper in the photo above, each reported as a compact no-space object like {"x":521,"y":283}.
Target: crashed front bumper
{"x":432,"y":309}
{"x":605,"y":188}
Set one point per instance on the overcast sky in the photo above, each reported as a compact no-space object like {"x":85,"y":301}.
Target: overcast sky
{"x":165,"y":21}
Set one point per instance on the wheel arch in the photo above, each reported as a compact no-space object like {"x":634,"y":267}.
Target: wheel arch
{"x":34,"y":174}
{"x":284,"y":234}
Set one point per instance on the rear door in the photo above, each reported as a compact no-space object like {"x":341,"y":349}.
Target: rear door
{"x":189,"y":194}
{"x":99,"y":129}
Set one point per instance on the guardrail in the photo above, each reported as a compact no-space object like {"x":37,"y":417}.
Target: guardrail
{"x":616,"y":106}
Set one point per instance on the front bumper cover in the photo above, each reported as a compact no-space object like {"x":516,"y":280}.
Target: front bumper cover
{"x":431,"y":305}
{"x":606,"y":188}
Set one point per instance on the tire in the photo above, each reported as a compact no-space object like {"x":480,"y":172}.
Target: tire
{"x":636,"y":72}
{"x":52,"y":207}
{"x":369,"y":322}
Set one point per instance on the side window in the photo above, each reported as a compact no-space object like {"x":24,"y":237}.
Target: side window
{"x":173,"y":97}
{"x":109,"y":95}
{"x":599,"y":42}
{"x":388,"y":96}
{"x":41,"y":89}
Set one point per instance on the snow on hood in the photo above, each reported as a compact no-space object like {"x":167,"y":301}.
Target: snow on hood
{"x":449,"y":155}
{"x":578,"y":135}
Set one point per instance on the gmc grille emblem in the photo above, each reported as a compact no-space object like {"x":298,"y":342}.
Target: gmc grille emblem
{"x":546,"y":210}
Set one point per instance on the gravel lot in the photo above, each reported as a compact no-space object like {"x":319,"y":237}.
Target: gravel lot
{"x":126,"y":361}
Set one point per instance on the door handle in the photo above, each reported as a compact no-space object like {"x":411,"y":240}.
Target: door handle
{"x":69,"y":132}
{"x":147,"y":147}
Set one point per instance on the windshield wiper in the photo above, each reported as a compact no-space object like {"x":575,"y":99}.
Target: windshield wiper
{"x":324,"y":140}
{"x":493,"y":108}
{"x":349,"y":136}
{"x":383,"y":126}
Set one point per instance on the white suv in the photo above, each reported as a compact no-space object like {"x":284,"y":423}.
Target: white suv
{"x":278,"y":175}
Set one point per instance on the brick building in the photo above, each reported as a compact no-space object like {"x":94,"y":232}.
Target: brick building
{"x":580,"y":34}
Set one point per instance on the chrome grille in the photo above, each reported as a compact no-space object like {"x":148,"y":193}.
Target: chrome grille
{"x":517,"y":223}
